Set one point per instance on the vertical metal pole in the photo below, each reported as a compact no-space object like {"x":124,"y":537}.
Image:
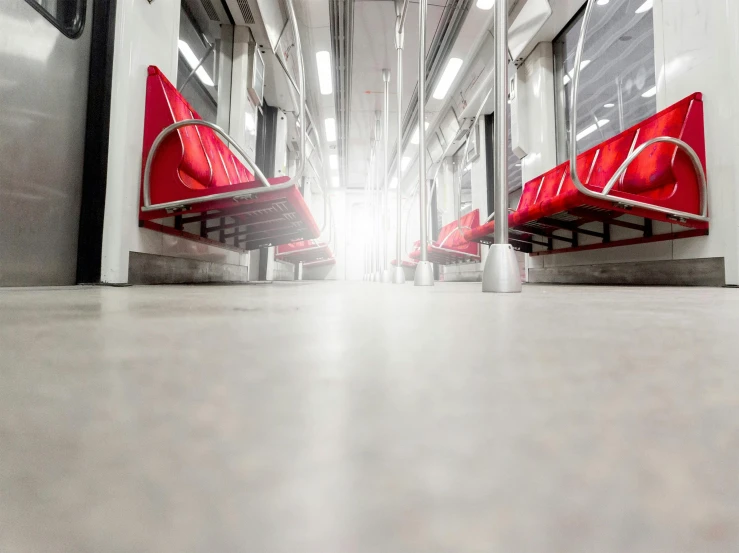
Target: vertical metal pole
{"x":373,"y":213}
{"x":386,"y":275}
{"x":378,"y":200}
{"x":620,"y":92}
{"x":399,"y":274}
{"x":501,"y":268}
{"x":366,"y":234}
{"x":424,"y":270}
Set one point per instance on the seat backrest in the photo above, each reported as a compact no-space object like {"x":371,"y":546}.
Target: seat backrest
{"x":610,"y":155}
{"x":586,"y":162}
{"x":194,"y":162}
{"x":652,"y":169}
{"x":469,"y":221}
{"x":529,"y":193}
{"x":551,"y":183}
{"x":444,"y":233}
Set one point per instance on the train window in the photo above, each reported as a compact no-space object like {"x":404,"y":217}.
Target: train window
{"x":617,"y":82}
{"x":66,"y":15}
{"x":200,"y":49}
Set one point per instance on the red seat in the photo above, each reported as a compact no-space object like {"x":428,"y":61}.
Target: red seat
{"x":662,"y":176}
{"x":452,"y":246}
{"x":193,"y":162}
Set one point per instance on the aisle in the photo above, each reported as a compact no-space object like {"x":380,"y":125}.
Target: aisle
{"x":368,"y":418}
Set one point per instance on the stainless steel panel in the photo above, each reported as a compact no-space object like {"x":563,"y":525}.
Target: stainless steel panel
{"x":43,"y":87}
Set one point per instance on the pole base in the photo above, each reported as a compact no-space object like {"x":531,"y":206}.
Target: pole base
{"x":378,"y":276}
{"x":398,"y":275}
{"x":424,"y":274}
{"x":501,"y":273}
{"x":387,"y":276}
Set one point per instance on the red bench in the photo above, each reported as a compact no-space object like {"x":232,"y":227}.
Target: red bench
{"x":192,"y":163}
{"x":451,"y":246}
{"x":552,"y":209}
{"x":308,"y":252}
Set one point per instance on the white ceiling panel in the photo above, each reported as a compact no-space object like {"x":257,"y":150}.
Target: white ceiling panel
{"x":374,"y":49}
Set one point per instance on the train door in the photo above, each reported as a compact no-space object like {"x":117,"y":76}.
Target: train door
{"x":44,"y":64}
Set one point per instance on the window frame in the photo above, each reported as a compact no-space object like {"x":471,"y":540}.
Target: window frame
{"x":72,"y":34}
{"x":562,"y":107}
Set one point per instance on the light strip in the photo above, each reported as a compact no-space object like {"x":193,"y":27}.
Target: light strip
{"x":485,"y":4}
{"x":447,"y":78}
{"x":645,"y":7}
{"x":333,"y":160}
{"x":592,"y":128}
{"x":192,"y":61}
{"x":404,"y":163}
{"x":651,"y":93}
{"x":330,"y":125}
{"x":323,"y":59}
{"x":569,"y":75}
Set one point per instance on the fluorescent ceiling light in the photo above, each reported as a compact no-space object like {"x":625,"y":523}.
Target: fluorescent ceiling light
{"x":447,"y":78}
{"x":652,"y":92}
{"x":592,"y":128}
{"x":323,"y":59}
{"x":571,"y":74}
{"x":333,"y":161}
{"x":645,"y":7}
{"x":485,"y":4}
{"x":602,"y":2}
{"x":609,"y":106}
{"x":192,"y":61}
{"x":335,"y":182}
{"x":330,"y":125}
{"x":404,"y":163}
{"x":415,"y":137}
{"x":394,"y":183}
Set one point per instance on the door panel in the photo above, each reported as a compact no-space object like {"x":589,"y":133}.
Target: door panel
{"x":43,"y":86}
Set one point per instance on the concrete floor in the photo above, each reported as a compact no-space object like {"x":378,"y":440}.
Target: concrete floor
{"x":368,"y":418}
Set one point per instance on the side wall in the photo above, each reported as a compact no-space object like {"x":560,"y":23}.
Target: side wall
{"x":696,"y":49}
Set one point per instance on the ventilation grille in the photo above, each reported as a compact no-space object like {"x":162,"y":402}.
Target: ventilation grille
{"x":246,"y":12}
{"x":210,"y":10}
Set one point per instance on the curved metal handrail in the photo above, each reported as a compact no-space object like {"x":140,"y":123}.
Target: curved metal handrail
{"x":148,"y":206}
{"x":605,"y":194}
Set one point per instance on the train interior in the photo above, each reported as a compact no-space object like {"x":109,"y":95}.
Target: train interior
{"x":369,"y":276}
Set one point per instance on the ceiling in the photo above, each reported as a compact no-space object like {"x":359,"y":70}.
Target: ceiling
{"x":374,"y":50}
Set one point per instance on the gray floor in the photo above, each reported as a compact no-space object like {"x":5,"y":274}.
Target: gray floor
{"x":367,"y":418}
